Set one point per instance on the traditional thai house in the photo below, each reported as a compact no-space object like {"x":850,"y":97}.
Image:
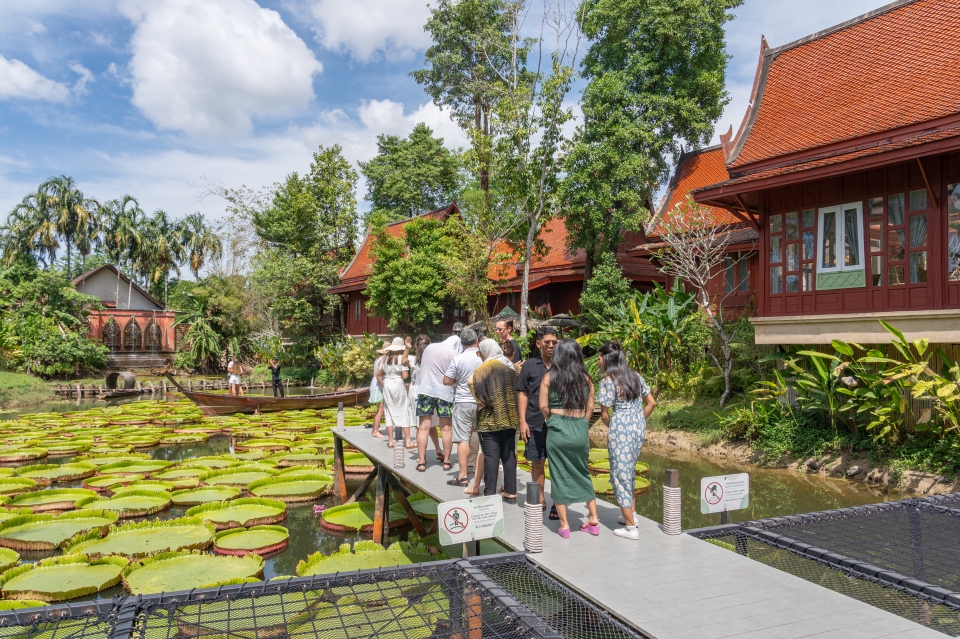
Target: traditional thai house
{"x":135,"y":326}
{"x":556,"y":279}
{"x":732,"y":287}
{"x":848,"y":163}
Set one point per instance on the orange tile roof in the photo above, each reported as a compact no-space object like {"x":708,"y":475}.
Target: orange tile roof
{"x":880,"y":72}
{"x":694,"y":170}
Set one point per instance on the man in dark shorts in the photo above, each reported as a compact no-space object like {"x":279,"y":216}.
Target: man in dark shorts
{"x":275,"y":378}
{"x":533,"y":427}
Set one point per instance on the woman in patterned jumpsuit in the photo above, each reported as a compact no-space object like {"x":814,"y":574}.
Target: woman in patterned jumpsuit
{"x":625,"y":391}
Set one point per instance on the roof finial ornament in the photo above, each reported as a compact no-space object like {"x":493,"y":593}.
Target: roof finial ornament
{"x":725,"y":139}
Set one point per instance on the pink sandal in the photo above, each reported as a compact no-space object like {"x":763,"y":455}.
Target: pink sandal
{"x":593,"y":529}
{"x":564,"y":532}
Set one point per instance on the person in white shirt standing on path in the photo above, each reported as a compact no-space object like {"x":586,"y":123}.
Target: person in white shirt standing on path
{"x":433,"y":395}
{"x":464,"y":404}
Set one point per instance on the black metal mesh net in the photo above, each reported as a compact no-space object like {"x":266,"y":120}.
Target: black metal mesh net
{"x":454,"y":599}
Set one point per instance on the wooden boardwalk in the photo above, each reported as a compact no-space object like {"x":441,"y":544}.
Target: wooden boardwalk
{"x":668,"y":587}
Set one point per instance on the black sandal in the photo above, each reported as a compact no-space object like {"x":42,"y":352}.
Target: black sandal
{"x":462,"y":482}
{"x":553,"y":512}
{"x":421,"y":467}
{"x":447,"y":466}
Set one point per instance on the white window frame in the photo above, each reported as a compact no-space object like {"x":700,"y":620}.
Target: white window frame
{"x":838,"y":221}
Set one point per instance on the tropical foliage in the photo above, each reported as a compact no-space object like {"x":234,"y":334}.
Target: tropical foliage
{"x":348,"y":362}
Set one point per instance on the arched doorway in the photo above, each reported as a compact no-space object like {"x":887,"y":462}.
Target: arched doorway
{"x":111,"y":335}
{"x":132,"y":336}
{"x":154,"y":336}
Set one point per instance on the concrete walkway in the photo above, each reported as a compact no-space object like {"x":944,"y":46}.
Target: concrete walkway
{"x":668,"y":587}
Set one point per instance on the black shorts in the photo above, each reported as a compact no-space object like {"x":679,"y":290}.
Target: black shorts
{"x":536,"y":448}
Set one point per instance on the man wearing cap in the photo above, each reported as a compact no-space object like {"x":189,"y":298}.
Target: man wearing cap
{"x":435,"y":397}
{"x":275,"y":377}
{"x":464,"y":404}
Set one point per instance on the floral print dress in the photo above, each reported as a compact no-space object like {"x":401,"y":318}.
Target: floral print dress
{"x":628,"y":429}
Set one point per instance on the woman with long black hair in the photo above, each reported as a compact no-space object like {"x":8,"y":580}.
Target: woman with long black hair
{"x":566,"y":400}
{"x":625,"y":391}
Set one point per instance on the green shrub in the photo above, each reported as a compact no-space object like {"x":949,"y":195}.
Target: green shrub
{"x":18,"y":389}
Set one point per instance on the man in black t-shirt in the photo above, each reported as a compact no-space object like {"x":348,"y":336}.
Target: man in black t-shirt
{"x":505,"y":333}
{"x":275,"y":377}
{"x":533,"y":427}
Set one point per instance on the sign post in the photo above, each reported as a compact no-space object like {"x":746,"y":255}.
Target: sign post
{"x":470,"y":520}
{"x":724,"y":493}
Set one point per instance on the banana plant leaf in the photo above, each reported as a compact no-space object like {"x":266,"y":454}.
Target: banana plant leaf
{"x":188,"y":570}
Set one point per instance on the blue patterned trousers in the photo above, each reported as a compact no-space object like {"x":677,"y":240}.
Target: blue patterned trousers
{"x":624,"y":441}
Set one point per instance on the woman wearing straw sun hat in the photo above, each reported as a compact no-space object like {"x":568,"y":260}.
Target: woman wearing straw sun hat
{"x":376,"y":391}
{"x":396,"y":403}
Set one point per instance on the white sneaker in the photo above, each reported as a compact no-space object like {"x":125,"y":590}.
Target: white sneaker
{"x":624,"y":521}
{"x":627,"y":534}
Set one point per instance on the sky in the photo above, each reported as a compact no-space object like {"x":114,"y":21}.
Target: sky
{"x":155,"y":98}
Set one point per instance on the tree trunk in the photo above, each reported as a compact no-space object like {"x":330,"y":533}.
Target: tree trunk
{"x":129,"y":292}
{"x":587,"y":269}
{"x":117,"y":298}
{"x":83,"y":267}
{"x":69,"y":270}
{"x":525,"y":284}
{"x":166,"y":299}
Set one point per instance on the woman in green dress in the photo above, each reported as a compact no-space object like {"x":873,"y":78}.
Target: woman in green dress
{"x":566,"y":400}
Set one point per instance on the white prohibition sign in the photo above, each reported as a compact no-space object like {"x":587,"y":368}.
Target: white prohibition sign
{"x":714,"y":493}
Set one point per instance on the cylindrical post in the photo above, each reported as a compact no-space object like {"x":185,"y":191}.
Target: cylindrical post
{"x":671,"y":503}
{"x":398,"y":454}
{"x":340,"y":426}
{"x":533,"y":519}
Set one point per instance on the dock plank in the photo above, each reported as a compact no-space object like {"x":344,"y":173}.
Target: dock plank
{"x":668,"y":587}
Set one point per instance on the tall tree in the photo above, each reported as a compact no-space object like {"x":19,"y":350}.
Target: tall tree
{"x":166,"y":249}
{"x":89,"y":234}
{"x":121,"y":234}
{"x":70,"y":210}
{"x":411,"y":175}
{"x":32,"y":228}
{"x":200,"y":242}
{"x":656,"y":72}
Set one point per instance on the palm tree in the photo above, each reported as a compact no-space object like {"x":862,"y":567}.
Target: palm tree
{"x":89,"y":233}
{"x":121,"y":234}
{"x":200,"y":242}
{"x":165,"y":248}
{"x":33,"y":225}
{"x":68,"y":207}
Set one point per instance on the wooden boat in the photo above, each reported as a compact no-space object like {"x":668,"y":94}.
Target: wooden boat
{"x":220,"y":404}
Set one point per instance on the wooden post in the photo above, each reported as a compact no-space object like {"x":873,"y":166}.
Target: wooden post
{"x":363,"y":487}
{"x":189,"y":384}
{"x":381,"y":509}
{"x":163,"y":382}
{"x":407,"y":508}
{"x":152,"y":389}
{"x":339,"y":471}
{"x":79,"y":391}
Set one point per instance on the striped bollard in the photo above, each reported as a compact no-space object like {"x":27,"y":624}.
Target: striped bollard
{"x":533,"y":519}
{"x":671,"y":503}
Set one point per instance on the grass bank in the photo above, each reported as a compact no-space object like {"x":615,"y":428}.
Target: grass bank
{"x":18,"y":390}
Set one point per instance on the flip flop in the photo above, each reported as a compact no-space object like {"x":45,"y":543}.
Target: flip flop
{"x":593,"y":529}
{"x":462,"y":482}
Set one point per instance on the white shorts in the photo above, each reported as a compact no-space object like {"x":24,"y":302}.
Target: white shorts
{"x":234,"y":379}
{"x":464,"y":420}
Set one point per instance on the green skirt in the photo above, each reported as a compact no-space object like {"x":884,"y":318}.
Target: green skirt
{"x":568,"y":447}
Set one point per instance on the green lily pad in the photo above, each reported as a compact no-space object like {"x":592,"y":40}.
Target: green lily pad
{"x":366,"y":555}
{"x":211,"y":462}
{"x":55,"y":499}
{"x":10,"y":454}
{"x":264,"y":443}
{"x":188,"y":570}
{"x":250,"y":455}
{"x":598,"y":454}
{"x":148,"y":484}
{"x":262,"y":540}
{"x":236,"y":477}
{"x":138,"y":467}
{"x":103,"y":460}
{"x":241,"y":513}
{"x":143,"y":538}
{"x":292,"y":488}
{"x":6,"y":515}
{"x":602,"y":485}
{"x":180,"y":439}
{"x":9,"y":604}
{"x":358,"y":516}
{"x":102,"y":483}
{"x":603,"y":466}
{"x":51,"y":473}
{"x":135,"y":503}
{"x":423,"y":505}
{"x":61,"y":578}
{"x":205,"y":495}
{"x":8,"y":558}
{"x":49,"y":532}
{"x":16,"y":485}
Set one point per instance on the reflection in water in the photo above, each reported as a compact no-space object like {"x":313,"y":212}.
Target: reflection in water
{"x":773,"y":492}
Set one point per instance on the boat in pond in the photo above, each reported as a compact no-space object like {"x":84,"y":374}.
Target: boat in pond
{"x":222,"y":404}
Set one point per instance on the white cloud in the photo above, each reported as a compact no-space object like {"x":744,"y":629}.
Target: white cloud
{"x":101,"y":39}
{"x":35,"y":28}
{"x":18,"y":81}
{"x":208,"y":67}
{"x":365,"y":27}
{"x":80,"y":86}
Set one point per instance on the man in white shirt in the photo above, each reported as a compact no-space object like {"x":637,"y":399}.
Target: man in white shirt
{"x":464,"y":405}
{"x":434,"y":395}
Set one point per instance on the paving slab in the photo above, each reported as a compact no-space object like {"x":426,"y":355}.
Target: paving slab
{"x":667,"y":587}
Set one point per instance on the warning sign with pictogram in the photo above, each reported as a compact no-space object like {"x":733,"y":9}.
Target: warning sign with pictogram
{"x":726,"y":493}
{"x":470,"y":519}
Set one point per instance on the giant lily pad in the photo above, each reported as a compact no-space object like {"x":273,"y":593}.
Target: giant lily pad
{"x":295,"y":458}
{"x":358,"y":516}
{"x":103,"y":460}
{"x":135,"y":503}
{"x":10,"y":454}
{"x":135,"y":467}
{"x":10,"y":604}
{"x":55,"y":499}
{"x":8,"y":558}
{"x":52,"y":473}
{"x":292,"y":488}
{"x":261,"y":540}
{"x":49,"y":532}
{"x":357,"y":464}
{"x":250,"y":511}
{"x":148,"y":484}
{"x":205,"y":495}
{"x":212,"y":463}
{"x":603,"y":486}
{"x":423,"y":505}
{"x":265,"y":443}
{"x":181,"y":439}
{"x":61,"y":578}
{"x":16,"y":485}
{"x":188,"y":570}
{"x":139,"y":539}
{"x":236,"y":477}
{"x":603,"y":467}
{"x":366,"y":555}
{"x":103,"y":483}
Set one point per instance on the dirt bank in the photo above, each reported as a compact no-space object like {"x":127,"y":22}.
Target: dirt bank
{"x":845,"y":466}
